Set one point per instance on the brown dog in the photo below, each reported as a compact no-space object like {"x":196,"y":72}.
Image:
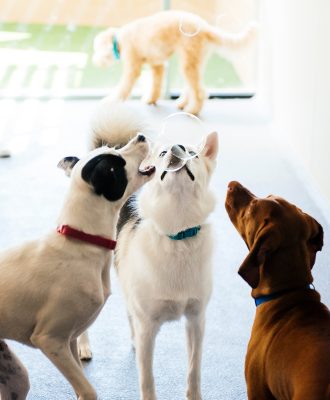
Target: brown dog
{"x":288,"y":356}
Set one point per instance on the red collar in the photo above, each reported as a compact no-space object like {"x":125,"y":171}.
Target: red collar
{"x":67,"y":230}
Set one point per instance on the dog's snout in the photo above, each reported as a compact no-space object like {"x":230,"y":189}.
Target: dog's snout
{"x":174,"y":160}
{"x":234,"y":185}
{"x":141,"y":138}
{"x":178,"y":151}
{"x":238,"y":196}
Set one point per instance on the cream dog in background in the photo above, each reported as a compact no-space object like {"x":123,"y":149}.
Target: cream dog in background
{"x":152,"y":40}
{"x":52,"y":289}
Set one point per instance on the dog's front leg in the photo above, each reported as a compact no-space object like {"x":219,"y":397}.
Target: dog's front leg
{"x":59,"y":352}
{"x":145,"y":334}
{"x":84,"y":347}
{"x":75,"y":351}
{"x":195,"y":332}
{"x":131,"y":72}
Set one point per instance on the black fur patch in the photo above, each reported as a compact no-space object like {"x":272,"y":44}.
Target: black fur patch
{"x":127,"y":214}
{"x":107,"y":174}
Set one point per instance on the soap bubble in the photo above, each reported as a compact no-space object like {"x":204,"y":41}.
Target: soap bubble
{"x":189,"y":27}
{"x":183,"y":135}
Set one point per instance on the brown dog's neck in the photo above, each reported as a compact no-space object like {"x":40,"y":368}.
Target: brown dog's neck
{"x":261,"y":299}
{"x":285,"y":270}
{"x":298,"y":304}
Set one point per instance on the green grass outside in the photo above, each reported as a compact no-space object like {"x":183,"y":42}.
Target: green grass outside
{"x":219,"y":72}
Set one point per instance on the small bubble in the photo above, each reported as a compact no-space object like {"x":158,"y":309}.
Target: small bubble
{"x":189,"y":27}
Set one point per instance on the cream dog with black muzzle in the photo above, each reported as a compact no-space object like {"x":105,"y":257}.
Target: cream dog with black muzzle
{"x":163,"y":258}
{"x":52,"y":289}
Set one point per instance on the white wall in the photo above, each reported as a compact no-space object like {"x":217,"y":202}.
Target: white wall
{"x":299,"y":32}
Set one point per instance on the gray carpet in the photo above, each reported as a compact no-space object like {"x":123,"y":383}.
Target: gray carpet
{"x":39,"y":134}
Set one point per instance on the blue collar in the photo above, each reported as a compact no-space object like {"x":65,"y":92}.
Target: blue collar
{"x":115,"y":47}
{"x":264,"y":299}
{"x":190,"y":232}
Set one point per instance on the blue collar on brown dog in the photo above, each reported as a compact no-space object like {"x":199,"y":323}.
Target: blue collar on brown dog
{"x":264,"y":299}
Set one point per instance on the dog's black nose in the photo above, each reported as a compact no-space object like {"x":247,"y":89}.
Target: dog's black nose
{"x":141,"y":138}
{"x":178,"y":151}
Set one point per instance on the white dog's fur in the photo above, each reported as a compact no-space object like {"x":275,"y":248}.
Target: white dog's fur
{"x":152,"y":40}
{"x":52,"y":289}
{"x":163,"y":279}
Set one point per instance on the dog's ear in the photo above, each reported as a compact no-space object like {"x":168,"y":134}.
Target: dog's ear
{"x":211,"y":146}
{"x":67,"y":163}
{"x":314,"y":238}
{"x":107,"y":175}
{"x":265,"y":244}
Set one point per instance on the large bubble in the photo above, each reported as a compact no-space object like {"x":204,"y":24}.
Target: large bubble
{"x":183,"y":135}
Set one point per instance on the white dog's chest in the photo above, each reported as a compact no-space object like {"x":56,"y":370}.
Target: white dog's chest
{"x":169,"y":310}
{"x":166,"y":280}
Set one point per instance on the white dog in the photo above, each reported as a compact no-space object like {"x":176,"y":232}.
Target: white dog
{"x":152,"y":40}
{"x":52,"y":289}
{"x":163,"y":258}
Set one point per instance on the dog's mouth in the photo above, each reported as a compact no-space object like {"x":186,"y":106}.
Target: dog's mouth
{"x":148,"y":170}
{"x":190,"y":174}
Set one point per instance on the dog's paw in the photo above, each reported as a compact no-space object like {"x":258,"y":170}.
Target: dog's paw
{"x":149,"y":100}
{"x":193,"y":109}
{"x":193,"y":394}
{"x":181,"y":102}
{"x":85,"y":353}
{"x":148,"y":396}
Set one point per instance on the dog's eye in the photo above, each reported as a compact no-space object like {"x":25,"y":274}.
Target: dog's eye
{"x":192,"y":153}
{"x":162,"y":154}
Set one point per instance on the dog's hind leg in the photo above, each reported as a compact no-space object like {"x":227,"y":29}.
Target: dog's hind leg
{"x":182,"y":101}
{"x":14,"y":380}
{"x":192,"y":65}
{"x":157,"y":78}
{"x":145,"y":334}
{"x":60,"y":354}
{"x":84,"y":347}
{"x":131,"y":325}
{"x":195,"y":333}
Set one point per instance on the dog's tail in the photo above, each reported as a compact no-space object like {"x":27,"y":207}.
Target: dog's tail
{"x":114,"y":124}
{"x":233,"y":40}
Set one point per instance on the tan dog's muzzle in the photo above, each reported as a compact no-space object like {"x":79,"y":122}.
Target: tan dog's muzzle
{"x":238,"y":197}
